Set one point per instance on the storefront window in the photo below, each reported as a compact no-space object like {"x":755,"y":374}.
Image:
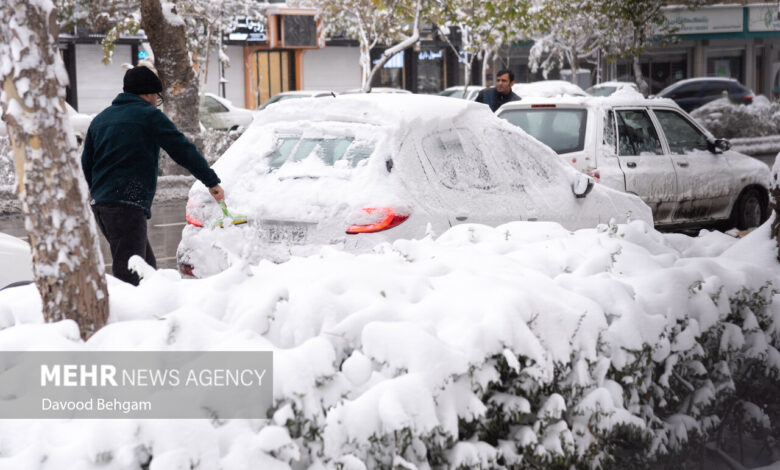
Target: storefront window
{"x":726,"y":64}
{"x":392,"y":73}
{"x":430,"y":71}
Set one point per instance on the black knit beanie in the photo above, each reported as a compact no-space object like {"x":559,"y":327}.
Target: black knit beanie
{"x":140,"y":81}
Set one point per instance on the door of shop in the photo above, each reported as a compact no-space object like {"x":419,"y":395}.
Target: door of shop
{"x":272,"y":72}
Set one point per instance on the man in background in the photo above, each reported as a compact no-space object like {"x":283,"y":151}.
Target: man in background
{"x":501,"y":93}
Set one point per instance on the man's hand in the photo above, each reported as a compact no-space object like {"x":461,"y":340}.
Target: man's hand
{"x":217,"y":192}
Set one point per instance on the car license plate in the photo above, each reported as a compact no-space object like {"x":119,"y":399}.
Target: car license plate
{"x":293,"y":233}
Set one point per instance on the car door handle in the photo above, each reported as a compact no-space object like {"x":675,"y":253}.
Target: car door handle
{"x":461,"y":218}
{"x":631,"y":164}
{"x":682,"y":164}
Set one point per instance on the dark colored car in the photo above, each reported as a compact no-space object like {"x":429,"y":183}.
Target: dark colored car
{"x":694,"y":92}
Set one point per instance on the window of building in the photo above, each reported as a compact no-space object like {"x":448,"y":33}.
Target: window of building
{"x":392,"y":73}
{"x":726,"y":64}
{"x":430,"y":71}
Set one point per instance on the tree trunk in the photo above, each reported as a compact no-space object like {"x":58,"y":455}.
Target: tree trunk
{"x":168,"y":39}
{"x":640,"y":81}
{"x":68,"y":265}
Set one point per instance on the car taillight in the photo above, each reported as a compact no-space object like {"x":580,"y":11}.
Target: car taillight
{"x":186,"y":270}
{"x":189,"y":212}
{"x":376,"y":219}
{"x":543,"y":106}
{"x":749,"y":98}
{"x":593,"y":173}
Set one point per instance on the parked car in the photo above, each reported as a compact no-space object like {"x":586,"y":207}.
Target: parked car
{"x":691,"y":93}
{"x":79,"y":122}
{"x":547,"y":88}
{"x":651,"y":148}
{"x":364,"y":169}
{"x":376,"y":90}
{"x":290,"y":95}
{"x":16,"y":260}
{"x":218,"y":113}
{"x":457,"y":92}
{"x":608,"y":88}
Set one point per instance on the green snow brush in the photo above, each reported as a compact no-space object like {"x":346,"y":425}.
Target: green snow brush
{"x":228,"y":218}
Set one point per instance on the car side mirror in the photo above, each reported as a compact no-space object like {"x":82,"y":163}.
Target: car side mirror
{"x":582,"y":186}
{"x":719,"y":145}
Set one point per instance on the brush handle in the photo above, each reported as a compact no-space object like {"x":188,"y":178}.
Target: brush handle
{"x":224,"y":208}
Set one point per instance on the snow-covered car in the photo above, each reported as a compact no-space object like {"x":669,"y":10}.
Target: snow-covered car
{"x":691,"y":93}
{"x":457,"y":92}
{"x":79,"y":122}
{"x":291,"y":95}
{"x":547,"y":89}
{"x":651,"y":148}
{"x":218,"y":113}
{"x":608,"y":88}
{"x":16,"y":260}
{"x":364,"y":169}
{"x":377,"y":90}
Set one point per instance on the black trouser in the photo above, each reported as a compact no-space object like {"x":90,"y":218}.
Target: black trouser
{"x":125,"y":229}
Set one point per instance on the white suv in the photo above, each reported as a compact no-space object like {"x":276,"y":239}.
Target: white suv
{"x":653,"y":149}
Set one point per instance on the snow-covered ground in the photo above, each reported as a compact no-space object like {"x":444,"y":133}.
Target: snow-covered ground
{"x":483,"y":348}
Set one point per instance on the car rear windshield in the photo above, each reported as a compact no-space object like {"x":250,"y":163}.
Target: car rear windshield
{"x":329,"y":149}
{"x":561,"y":129}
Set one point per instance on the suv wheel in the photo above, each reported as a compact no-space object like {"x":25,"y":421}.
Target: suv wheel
{"x":750,"y":210}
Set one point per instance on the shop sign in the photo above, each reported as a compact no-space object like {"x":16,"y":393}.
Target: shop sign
{"x":708,"y":20}
{"x":763,"y":17}
{"x":430,"y":55}
{"x":247,"y":29}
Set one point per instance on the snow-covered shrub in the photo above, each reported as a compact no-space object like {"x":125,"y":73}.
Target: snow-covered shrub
{"x":729,"y":120}
{"x":213,"y":143}
{"x":521,"y":346}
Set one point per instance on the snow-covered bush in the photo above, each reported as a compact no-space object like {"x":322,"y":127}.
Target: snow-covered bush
{"x":215,"y":142}
{"x":729,"y":120}
{"x":521,"y":346}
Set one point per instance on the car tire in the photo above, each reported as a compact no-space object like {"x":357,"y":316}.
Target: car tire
{"x":750,"y":210}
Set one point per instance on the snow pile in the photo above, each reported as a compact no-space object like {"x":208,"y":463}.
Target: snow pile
{"x":524,"y":344}
{"x":728,"y":120}
{"x":547,"y":89}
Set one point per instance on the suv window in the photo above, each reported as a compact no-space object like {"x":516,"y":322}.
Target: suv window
{"x":715,"y":87}
{"x":690,"y":90}
{"x":680,"y":133}
{"x":738,"y":89}
{"x":561,"y":129}
{"x":637,"y":134}
{"x":609,"y":129}
{"x":457,"y":161}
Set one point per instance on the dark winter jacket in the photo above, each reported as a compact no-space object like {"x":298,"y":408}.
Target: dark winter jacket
{"x":122,"y":149}
{"x":494,"y":99}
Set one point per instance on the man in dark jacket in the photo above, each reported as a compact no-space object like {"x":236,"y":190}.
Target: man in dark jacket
{"x":501,"y":93}
{"x":120,"y":163}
